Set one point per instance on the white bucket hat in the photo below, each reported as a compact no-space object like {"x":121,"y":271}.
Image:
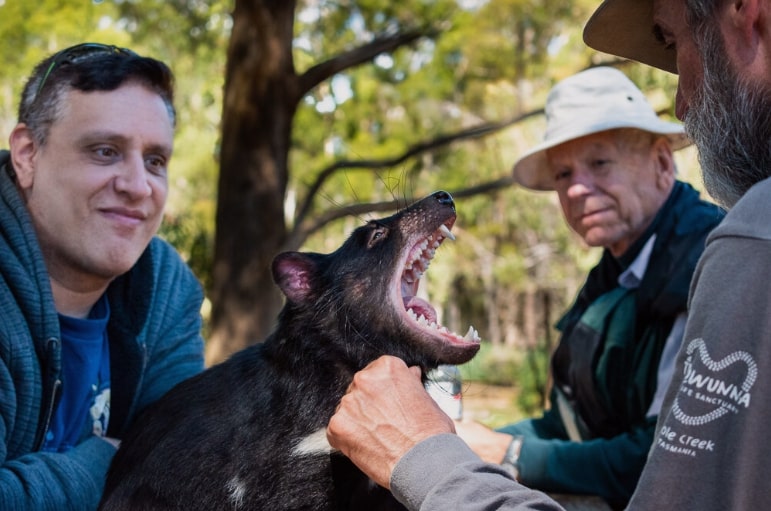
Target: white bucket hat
{"x":599,"y":99}
{"x":624,"y":28}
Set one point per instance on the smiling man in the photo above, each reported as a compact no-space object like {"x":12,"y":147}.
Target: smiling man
{"x":100,"y":318}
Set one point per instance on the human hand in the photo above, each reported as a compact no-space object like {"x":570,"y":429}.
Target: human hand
{"x":385,"y":413}
{"x":489,"y":445}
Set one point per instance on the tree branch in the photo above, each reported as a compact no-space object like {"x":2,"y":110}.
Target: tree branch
{"x":357,"y":56}
{"x":303,"y":228}
{"x":478,"y":131}
{"x":301,"y":232}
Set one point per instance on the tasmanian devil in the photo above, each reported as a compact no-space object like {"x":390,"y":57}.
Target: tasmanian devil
{"x":249,"y":433}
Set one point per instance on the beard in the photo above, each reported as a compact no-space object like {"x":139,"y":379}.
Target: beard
{"x":729,"y":120}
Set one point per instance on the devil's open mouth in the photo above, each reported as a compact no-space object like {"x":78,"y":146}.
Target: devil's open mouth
{"x":420,"y":312}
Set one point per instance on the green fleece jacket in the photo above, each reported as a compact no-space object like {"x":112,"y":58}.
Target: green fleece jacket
{"x":155,"y":342}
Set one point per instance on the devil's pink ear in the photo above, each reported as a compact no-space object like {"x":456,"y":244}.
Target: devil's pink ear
{"x":294,"y":272}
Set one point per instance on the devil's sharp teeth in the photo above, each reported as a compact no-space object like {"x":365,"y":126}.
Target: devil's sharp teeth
{"x":471,"y":335}
{"x":446,"y":232}
{"x":422,"y":320}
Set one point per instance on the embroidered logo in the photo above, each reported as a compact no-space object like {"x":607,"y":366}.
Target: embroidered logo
{"x":712,"y":388}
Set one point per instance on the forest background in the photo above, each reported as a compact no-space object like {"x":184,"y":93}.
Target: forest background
{"x":300,"y":120}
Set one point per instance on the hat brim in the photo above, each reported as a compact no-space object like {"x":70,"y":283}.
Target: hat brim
{"x":531,"y":170}
{"x":625,"y":28}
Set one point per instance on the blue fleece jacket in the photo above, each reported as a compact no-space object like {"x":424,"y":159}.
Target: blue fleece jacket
{"x":155,"y":342}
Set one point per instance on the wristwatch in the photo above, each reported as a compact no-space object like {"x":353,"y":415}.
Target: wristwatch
{"x":511,"y":458}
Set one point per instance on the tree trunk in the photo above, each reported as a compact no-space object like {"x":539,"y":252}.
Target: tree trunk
{"x":260,"y":99}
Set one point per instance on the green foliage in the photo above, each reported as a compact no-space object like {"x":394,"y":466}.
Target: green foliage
{"x":29,"y":31}
{"x":493,"y":365}
{"x":191,"y":240}
{"x":533,"y":374}
{"x":525,"y":371}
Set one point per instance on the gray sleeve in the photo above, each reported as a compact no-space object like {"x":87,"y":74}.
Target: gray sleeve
{"x":443,"y":473}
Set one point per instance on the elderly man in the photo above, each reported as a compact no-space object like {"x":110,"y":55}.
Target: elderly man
{"x":609,"y":158}
{"x":709,"y":447}
{"x":99,"y":318}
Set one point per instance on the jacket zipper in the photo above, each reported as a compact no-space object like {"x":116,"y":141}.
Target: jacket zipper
{"x":51,"y":345}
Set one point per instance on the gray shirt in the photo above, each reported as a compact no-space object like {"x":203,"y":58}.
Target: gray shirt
{"x":710,"y":451}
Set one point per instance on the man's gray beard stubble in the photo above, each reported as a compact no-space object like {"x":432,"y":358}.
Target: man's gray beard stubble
{"x":729,"y":120}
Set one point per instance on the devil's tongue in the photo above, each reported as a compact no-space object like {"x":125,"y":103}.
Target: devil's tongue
{"x":420,"y":306}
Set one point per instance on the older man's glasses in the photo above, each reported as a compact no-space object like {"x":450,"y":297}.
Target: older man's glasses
{"x":78,"y":52}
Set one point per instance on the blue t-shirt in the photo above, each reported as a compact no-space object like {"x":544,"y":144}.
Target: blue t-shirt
{"x":84,"y":405}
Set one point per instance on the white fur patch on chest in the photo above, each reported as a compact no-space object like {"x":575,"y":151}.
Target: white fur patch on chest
{"x":236,"y":491}
{"x":314,"y":443}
